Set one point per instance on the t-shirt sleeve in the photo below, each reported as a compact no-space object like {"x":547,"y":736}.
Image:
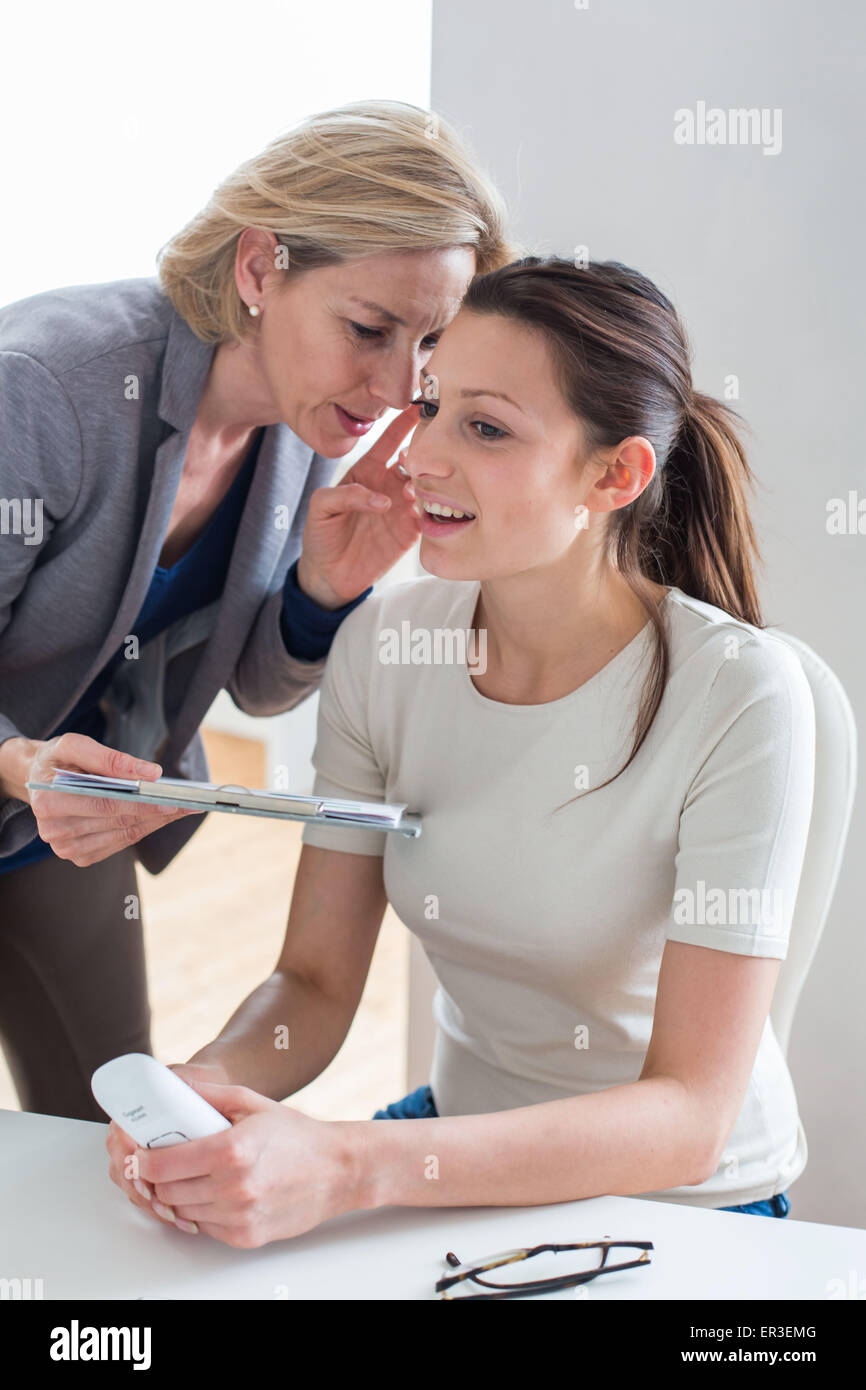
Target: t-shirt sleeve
{"x":745,"y":818}
{"x":343,"y":758}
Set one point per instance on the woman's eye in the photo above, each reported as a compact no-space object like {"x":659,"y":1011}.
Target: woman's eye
{"x":363,"y":331}
{"x":497,"y":433}
{"x":485,"y":425}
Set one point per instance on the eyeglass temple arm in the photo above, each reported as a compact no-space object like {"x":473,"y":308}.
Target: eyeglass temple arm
{"x":605,"y":1245}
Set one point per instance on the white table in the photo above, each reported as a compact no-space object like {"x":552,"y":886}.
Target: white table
{"x":63,"y":1221}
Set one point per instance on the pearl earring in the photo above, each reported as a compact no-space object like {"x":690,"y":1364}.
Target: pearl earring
{"x":254,"y":309}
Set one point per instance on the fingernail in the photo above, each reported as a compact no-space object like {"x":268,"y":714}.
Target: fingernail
{"x":140,"y":1188}
{"x":189,"y":1226}
{"x":164,"y":1211}
{"x":410,"y":489}
{"x":416,"y":509}
{"x":379,"y":501}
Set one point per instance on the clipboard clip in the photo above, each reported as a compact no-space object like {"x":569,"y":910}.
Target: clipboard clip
{"x":308,"y":805}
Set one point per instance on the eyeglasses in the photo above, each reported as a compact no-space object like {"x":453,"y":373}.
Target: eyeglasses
{"x":586,"y":1260}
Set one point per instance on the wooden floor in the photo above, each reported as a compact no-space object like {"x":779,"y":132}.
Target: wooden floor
{"x":214,"y":922}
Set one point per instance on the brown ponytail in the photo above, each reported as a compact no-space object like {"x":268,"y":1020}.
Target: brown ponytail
{"x":701,"y":538}
{"x":623,"y":364}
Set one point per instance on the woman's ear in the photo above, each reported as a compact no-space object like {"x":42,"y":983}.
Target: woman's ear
{"x":254,"y":259}
{"x":627,"y":470}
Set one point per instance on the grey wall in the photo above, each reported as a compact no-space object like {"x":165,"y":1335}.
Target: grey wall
{"x":572,"y":110}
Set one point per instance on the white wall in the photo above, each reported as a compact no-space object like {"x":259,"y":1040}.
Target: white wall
{"x":572,"y":110}
{"x":118,"y":121}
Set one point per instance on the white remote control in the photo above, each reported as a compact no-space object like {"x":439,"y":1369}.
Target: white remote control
{"x":152,"y":1104}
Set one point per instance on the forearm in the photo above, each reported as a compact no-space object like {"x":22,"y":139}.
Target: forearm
{"x":643,"y":1137}
{"x":280,"y":1038}
{"x":297,"y":624}
{"x":267,"y":680}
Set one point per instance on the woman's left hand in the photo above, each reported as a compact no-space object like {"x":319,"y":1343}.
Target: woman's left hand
{"x":276,"y":1173}
{"x":348,"y":543}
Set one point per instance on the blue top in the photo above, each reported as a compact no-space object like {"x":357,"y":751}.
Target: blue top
{"x":175,"y":591}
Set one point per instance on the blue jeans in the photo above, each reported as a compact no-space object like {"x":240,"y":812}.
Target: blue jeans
{"x":419,"y":1105}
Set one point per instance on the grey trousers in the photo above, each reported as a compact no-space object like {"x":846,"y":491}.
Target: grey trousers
{"x":73,"y":982}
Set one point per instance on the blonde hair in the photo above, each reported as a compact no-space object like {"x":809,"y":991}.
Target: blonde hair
{"x":358,"y":180}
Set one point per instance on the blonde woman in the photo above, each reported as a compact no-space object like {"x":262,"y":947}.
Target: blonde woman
{"x":615,"y":799}
{"x":166,"y":447}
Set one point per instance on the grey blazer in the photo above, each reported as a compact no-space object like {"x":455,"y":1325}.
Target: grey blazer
{"x":99,"y":386}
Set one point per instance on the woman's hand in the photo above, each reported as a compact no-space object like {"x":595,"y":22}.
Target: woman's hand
{"x":123,"y":1165}
{"x":274,"y":1174}
{"x":349,"y":542}
{"x":87,"y":829}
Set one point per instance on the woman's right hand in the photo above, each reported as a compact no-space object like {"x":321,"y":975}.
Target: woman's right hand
{"x":82,"y":829}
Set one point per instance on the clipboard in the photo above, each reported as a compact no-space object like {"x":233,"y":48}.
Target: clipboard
{"x":244,"y":801}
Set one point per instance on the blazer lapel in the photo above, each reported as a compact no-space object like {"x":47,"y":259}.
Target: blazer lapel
{"x":185,"y":367}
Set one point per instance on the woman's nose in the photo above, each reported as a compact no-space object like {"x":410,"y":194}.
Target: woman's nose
{"x":421,"y":458}
{"x":395,"y":383}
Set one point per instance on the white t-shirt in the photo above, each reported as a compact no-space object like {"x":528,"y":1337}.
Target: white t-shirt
{"x":546,"y":931}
